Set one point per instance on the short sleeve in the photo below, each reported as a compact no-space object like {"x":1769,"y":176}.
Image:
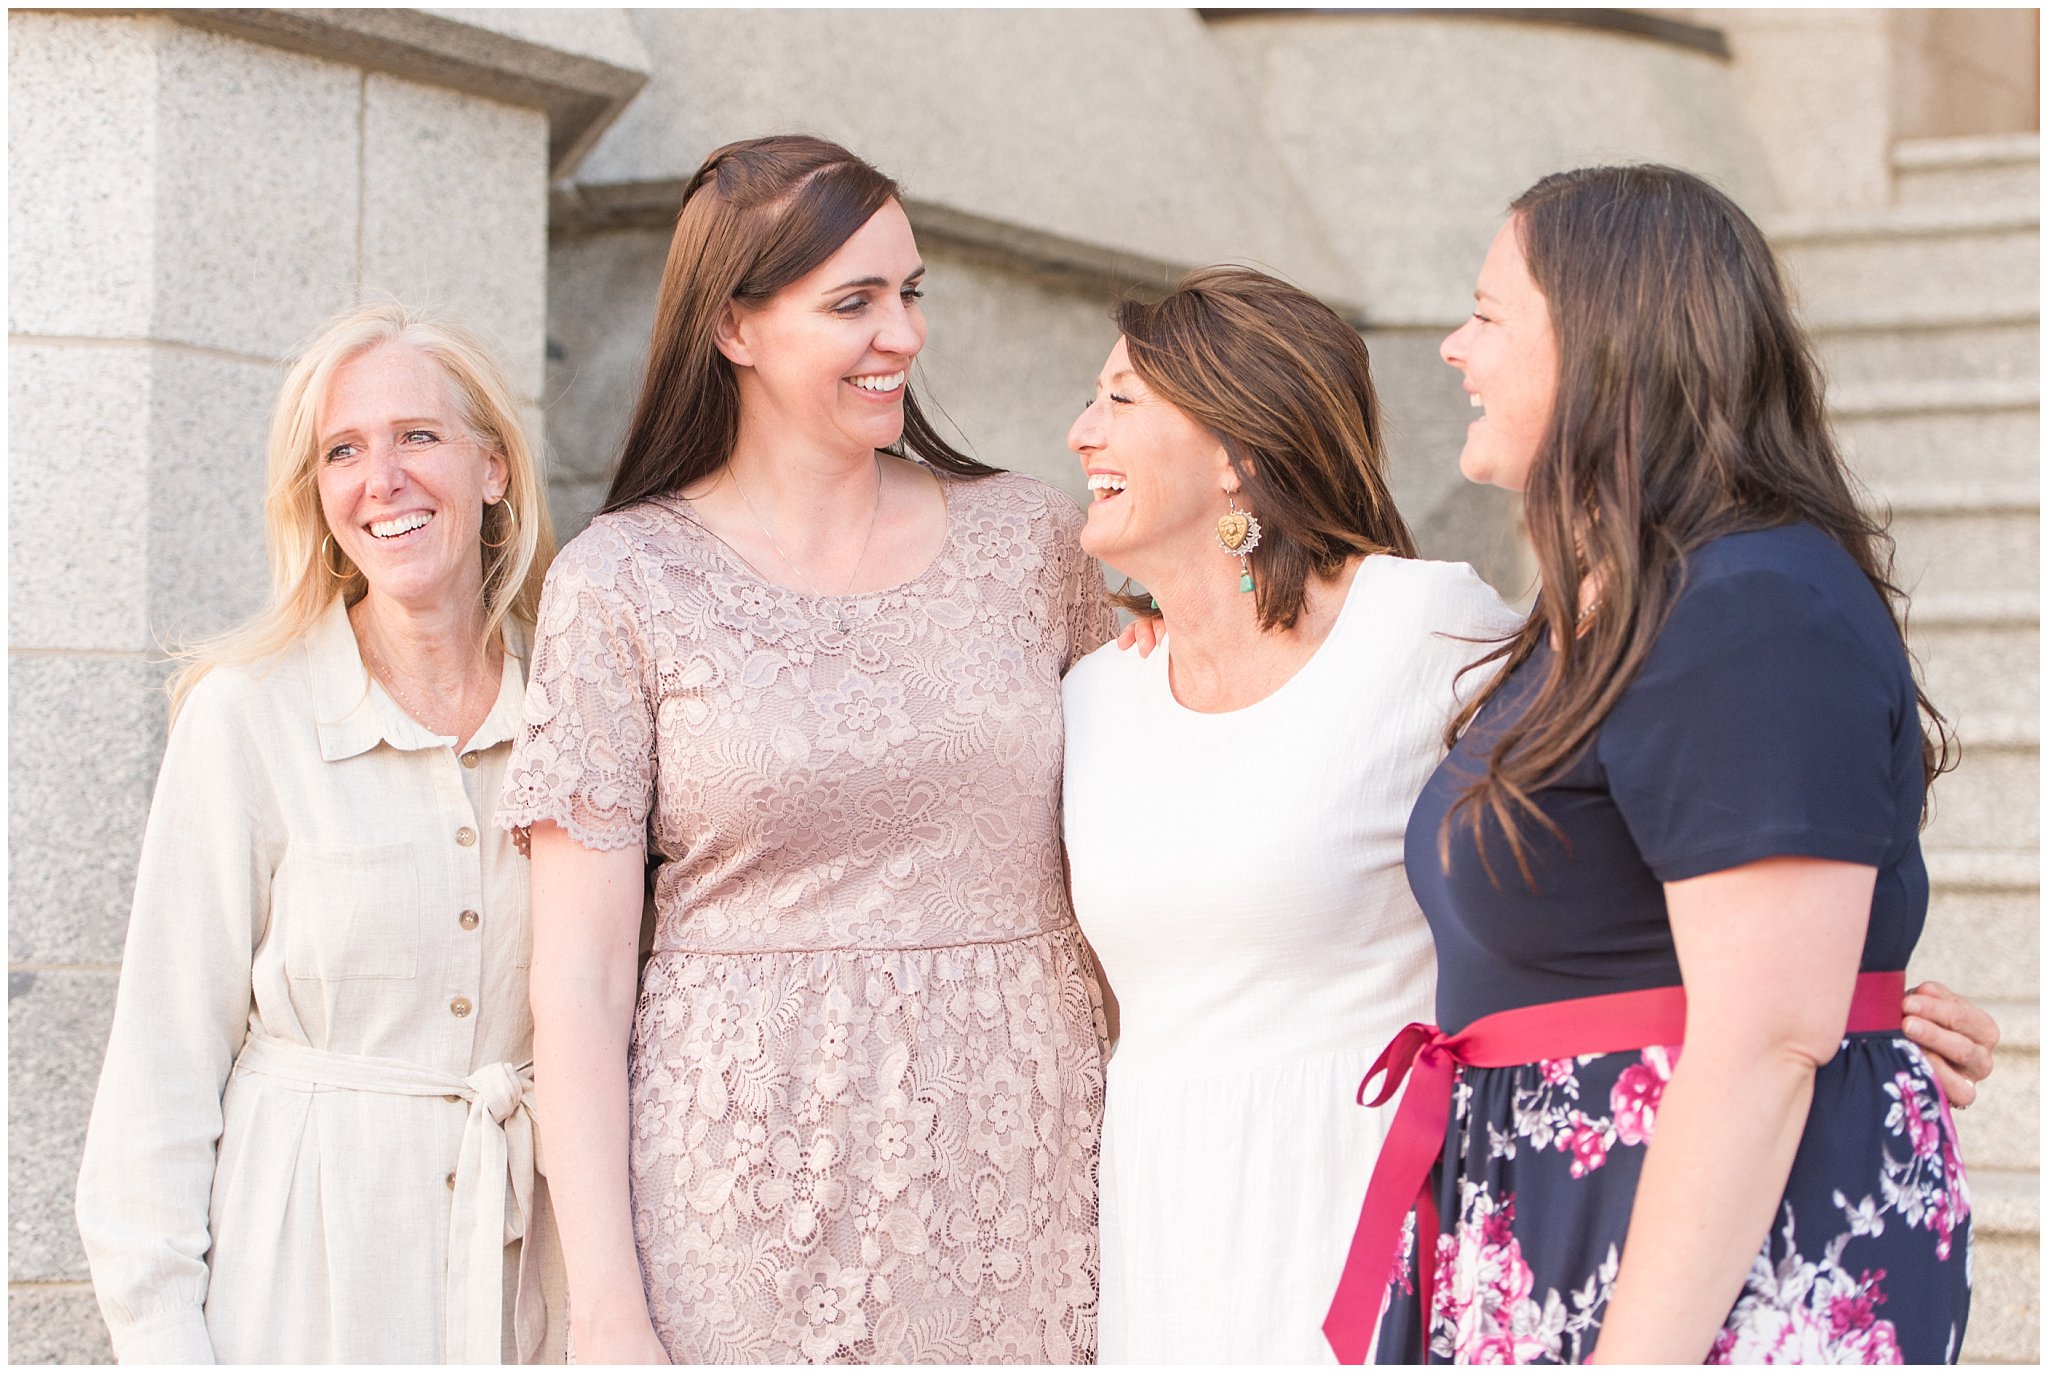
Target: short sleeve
{"x":585,"y":755}
{"x":1087,"y":618}
{"x":1761,"y":725}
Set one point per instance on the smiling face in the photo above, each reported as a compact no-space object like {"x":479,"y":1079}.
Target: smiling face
{"x":1509,"y":357}
{"x":825,"y":360}
{"x":402,"y":482}
{"x":1158,"y":478}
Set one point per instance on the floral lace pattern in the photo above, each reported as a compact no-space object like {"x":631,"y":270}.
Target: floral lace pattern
{"x":866,"y":1081}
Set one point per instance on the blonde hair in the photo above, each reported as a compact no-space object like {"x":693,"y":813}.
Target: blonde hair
{"x":516,"y":539}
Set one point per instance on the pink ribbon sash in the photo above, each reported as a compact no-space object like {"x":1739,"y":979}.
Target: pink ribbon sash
{"x":1428,"y":1059}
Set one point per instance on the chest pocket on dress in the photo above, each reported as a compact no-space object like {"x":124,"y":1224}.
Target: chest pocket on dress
{"x":351,"y":911}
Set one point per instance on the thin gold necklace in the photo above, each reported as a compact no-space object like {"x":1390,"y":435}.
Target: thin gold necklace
{"x":838,"y":607}
{"x":406,"y":703}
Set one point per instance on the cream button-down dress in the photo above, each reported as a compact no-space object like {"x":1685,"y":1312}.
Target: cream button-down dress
{"x":312,"y":1140}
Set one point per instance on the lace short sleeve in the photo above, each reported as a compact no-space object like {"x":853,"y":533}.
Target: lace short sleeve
{"x":585,"y":756}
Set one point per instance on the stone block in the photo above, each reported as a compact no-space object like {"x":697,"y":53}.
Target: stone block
{"x":1010,"y":358}
{"x":1944,"y":265}
{"x":78,"y":495}
{"x":1985,"y":944}
{"x":56,"y":1324}
{"x":592,"y":34}
{"x":1816,"y":84}
{"x":256,"y":226}
{"x":455,"y":213}
{"x":601,"y":293}
{"x":208,"y":427}
{"x":1412,"y":183}
{"x":572,"y":503}
{"x":1974,"y":671}
{"x":2003,"y":1128}
{"x":1891,"y":449}
{"x":57,"y":1023}
{"x":1959,"y":549}
{"x":997,"y":93}
{"x":1991,"y":801}
{"x":1998,"y":350}
{"x":82,"y":144}
{"x":88,"y":733}
{"x":2005,"y":1301}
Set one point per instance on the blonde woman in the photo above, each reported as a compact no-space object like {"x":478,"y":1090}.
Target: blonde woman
{"x":312,"y":1140}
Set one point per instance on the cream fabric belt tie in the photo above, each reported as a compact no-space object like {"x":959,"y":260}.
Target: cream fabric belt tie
{"x":497,"y":1164}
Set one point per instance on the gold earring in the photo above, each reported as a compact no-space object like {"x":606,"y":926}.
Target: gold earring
{"x":1238,"y":533}
{"x":512,"y":523}
{"x":339,"y":574}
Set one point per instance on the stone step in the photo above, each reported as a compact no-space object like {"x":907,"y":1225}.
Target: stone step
{"x":1965,"y":536}
{"x":1974,"y":671}
{"x":1991,"y":800}
{"x":1897,"y":433}
{"x":1984,"y":609}
{"x":2003,"y":1128}
{"x":2006,"y":1201}
{"x":1983,"y":870}
{"x":2005,"y":1224}
{"x":1988,"y":170}
{"x":2005,"y":1301}
{"x":1983,"y":942}
{"x":1985,"y":349}
{"x":1911,"y":265}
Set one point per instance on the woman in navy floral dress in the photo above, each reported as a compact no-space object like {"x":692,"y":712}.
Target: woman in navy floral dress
{"x":1672,"y":863}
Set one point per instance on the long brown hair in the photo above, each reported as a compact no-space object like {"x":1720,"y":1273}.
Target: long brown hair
{"x":758,"y":215}
{"x":1286,"y":385}
{"x":1688,"y":407}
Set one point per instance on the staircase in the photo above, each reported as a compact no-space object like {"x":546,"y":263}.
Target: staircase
{"x":1927,"y":316}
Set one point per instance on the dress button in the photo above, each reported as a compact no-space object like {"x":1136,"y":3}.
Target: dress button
{"x":459,"y":1007}
{"x":451,"y":1096}
{"x":469,"y":919}
{"x":451,"y":1182}
{"x":465,"y":836}
{"x":469,"y":760}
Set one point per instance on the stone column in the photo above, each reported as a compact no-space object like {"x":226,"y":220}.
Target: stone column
{"x":189,"y":197}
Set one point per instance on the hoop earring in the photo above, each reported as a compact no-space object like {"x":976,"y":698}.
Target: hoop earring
{"x":512,"y":522}
{"x":339,"y":574}
{"x":1238,"y":533}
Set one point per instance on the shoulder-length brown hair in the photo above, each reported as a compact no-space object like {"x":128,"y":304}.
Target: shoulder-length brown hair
{"x":1688,"y":407}
{"x":758,"y":215}
{"x":1286,"y":386}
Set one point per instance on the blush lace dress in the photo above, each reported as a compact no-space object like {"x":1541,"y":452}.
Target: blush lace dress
{"x":866,"y":1078}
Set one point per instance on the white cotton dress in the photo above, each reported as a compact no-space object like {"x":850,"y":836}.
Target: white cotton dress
{"x":1239,"y":876}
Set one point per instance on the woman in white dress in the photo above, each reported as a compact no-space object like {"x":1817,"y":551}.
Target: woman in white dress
{"x":1234,"y":809}
{"x":1235,"y":805}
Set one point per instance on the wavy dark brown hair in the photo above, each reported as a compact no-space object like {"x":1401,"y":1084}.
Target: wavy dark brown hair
{"x":1688,"y":407}
{"x":758,"y":215}
{"x":1286,"y":386}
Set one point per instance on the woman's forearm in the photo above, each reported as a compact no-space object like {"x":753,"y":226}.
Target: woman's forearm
{"x":1709,"y":1194}
{"x":586,"y":926}
{"x":579,"y":1052}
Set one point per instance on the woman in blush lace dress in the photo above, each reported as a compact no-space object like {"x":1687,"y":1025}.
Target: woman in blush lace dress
{"x":814,"y":685}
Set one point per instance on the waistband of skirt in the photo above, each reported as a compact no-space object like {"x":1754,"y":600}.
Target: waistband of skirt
{"x":1067,"y":933}
{"x":1619,"y":1021}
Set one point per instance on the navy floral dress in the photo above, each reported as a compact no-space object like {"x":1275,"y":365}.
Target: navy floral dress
{"x":1774,"y":716}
